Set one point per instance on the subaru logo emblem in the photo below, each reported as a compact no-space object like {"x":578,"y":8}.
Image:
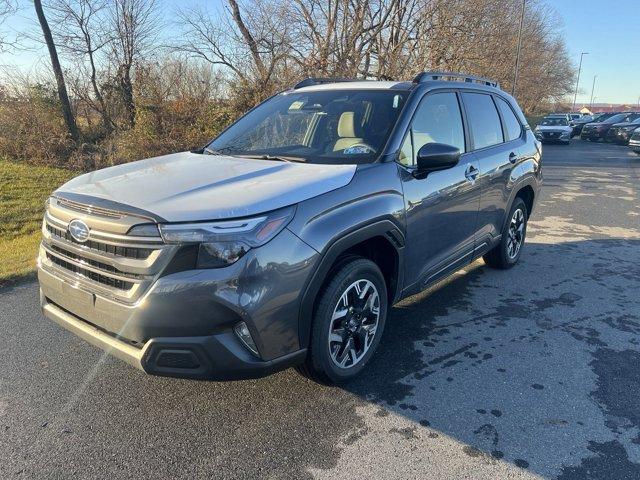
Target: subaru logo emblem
{"x":79,"y":230}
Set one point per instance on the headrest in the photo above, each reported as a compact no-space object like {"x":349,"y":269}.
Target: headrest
{"x":346,"y":128}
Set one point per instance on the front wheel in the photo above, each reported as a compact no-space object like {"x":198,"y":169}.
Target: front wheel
{"x":348,"y":322}
{"x":507,"y":253}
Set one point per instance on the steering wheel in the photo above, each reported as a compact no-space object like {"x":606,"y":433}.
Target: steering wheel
{"x":369,"y":148}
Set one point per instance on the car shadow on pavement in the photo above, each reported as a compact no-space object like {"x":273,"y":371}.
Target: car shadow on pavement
{"x":538,"y":365}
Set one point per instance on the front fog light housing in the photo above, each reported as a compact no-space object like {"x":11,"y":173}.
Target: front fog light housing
{"x":243,"y":333}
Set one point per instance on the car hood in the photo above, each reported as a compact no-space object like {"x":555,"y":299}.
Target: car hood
{"x":552,"y":128}
{"x":189,"y":187}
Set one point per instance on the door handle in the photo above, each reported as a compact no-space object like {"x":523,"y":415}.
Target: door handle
{"x":471,"y":173}
{"x":513,"y":158}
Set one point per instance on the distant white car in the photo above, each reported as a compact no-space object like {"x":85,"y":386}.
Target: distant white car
{"x":554,"y":128}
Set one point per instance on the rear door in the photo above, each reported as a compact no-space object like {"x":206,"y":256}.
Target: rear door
{"x":498,"y":138}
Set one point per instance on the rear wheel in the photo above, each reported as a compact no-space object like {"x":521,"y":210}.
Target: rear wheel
{"x":507,"y":253}
{"x":348,"y":322}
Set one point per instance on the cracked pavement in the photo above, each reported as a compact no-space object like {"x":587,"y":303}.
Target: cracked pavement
{"x":532,"y":372}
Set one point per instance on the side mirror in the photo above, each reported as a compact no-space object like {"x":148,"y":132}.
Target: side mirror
{"x":437,"y":156}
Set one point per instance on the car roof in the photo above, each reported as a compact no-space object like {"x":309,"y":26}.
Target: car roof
{"x":358,"y":85}
{"x":395,"y":85}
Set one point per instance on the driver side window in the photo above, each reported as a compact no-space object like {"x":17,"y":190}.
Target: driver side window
{"x":437,"y":119}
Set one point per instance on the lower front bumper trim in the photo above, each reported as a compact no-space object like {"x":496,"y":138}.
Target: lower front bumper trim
{"x":122,"y":350}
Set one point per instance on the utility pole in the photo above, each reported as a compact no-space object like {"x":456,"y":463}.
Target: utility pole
{"x":515,"y":73}
{"x":593,"y":86}
{"x":578,"y":80}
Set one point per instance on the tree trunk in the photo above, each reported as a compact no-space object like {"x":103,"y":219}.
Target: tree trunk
{"x":126,"y":87}
{"x":67,"y":113}
{"x":249,"y":40}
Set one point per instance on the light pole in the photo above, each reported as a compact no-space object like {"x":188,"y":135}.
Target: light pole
{"x":578,"y":80}
{"x":515,"y":73}
{"x":593,"y":86}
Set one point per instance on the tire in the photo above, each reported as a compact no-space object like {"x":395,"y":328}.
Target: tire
{"x":501,"y":256}
{"x":354,"y":326}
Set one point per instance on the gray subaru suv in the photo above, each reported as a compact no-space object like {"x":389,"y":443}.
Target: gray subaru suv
{"x":285,"y":240}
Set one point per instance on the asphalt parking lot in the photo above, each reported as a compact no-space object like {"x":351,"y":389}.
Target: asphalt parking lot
{"x":527,"y":373}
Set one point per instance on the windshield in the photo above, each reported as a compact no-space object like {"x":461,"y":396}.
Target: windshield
{"x":554,"y":122}
{"x":615,"y":119}
{"x":328,"y":126}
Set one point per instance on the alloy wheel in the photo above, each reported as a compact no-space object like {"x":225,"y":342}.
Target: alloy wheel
{"x":516,"y":234}
{"x":354,"y":323}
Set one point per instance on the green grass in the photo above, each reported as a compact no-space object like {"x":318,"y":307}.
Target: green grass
{"x":23,"y":190}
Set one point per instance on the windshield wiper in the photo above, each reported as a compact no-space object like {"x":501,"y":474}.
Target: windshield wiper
{"x":279,"y":158}
{"x":211,"y":151}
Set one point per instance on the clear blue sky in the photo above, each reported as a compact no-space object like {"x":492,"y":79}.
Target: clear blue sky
{"x":608,"y":29}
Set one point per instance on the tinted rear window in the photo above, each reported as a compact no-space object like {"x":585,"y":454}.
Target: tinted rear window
{"x":483,"y":119}
{"x":511,"y":123}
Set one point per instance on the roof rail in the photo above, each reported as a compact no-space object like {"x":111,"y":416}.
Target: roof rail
{"x":428,"y":76}
{"x":307,"y":82}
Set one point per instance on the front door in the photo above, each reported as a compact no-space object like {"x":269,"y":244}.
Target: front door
{"x":441,"y":208}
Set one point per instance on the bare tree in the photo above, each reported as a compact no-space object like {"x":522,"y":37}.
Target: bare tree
{"x":7,"y":8}
{"x":252,"y":44}
{"x":134,"y":24}
{"x":67,"y":112}
{"x":79,"y":28}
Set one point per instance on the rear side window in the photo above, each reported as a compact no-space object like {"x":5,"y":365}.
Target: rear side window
{"x":483,"y":119}
{"x":437,"y":119}
{"x":511,"y":123}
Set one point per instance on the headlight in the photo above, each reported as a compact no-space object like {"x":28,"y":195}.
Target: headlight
{"x":226,"y":241}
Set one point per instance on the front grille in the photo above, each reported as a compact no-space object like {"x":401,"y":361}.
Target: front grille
{"x":91,"y":275}
{"x":128,"y":252}
{"x":91,"y":262}
{"x":118,"y":266}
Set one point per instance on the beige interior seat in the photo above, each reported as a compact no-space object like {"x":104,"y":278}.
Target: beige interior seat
{"x":346,"y":132}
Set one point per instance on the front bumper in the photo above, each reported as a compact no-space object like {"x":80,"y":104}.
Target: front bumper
{"x":593,"y":135}
{"x":553,"y":137}
{"x":218,"y":357}
{"x":620,"y":136}
{"x":634,"y":144}
{"x":183,"y":324}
